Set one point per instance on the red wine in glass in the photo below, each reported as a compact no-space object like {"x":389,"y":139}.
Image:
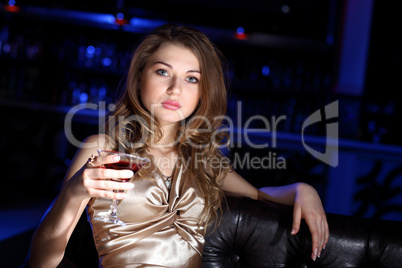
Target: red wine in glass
{"x":127,"y":161}
{"x":124,"y":164}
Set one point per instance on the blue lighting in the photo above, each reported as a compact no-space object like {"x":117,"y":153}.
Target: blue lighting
{"x":145,"y":23}
{"x":67,"y":162}
{"x":102,"y":93}
{"x":76,"y":92}
{"x":240,"y":30}
{"x":11,"y":3}
{"x":102,"y":18}
{"x":106,"y":61}
{"x":91,"y":50}
{"x":330,"y":39}
{"x":120,"y":16}
{"x":6,"y":48}
{"x":371,"y":126}
{"x":83,"y":97}
{"x":265,"y":70}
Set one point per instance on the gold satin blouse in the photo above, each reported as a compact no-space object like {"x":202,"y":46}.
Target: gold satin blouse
{"x":162,"y":228}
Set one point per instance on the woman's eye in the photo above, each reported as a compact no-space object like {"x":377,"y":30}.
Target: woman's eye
{"x":192,"y":80}
{"x":162,"y":72}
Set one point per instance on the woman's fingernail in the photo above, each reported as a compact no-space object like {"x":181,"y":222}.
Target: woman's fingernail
{"x":315,"y":254}
{"x":116,"y":158}
{"x":293,"y":231}
{"x":130,"y":185}
{"x":324,"y":246}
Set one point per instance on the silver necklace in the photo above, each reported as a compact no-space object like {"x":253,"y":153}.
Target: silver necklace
{"x":168,"y":181}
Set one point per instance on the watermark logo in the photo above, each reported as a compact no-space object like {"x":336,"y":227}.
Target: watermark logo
{"x":330,"y":156}
{"x":240,"y":133}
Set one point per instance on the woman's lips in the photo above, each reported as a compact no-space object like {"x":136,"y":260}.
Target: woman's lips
{"x":171,"y":105}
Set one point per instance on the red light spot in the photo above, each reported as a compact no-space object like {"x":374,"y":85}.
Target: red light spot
{"x":242,"y":36}
{"x":11,"y":8}
{"x":121,"y":21}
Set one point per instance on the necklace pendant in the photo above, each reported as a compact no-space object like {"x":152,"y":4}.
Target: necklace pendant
{"x":168,"y":183}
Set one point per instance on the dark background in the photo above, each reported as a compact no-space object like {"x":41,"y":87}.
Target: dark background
{"x":294,"y":58}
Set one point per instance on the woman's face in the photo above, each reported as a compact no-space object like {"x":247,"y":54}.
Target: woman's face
{"x":170,"y":83}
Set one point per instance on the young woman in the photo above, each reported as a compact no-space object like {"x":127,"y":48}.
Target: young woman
{"x":171,"y":112}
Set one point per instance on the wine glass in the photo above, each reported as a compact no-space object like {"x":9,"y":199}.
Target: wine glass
{"x":127,"y":161}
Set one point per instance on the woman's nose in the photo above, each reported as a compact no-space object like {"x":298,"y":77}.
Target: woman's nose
{"x":174,"y":87}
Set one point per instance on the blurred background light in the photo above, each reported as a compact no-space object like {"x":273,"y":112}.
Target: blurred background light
{"x":265,"y":70}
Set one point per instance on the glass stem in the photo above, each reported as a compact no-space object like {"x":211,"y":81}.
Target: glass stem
{"x":113,"y":208}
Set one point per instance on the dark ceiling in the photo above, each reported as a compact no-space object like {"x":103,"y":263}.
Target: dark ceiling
{"x":301,"y":18}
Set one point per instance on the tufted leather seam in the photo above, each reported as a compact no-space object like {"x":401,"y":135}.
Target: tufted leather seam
{"x":368,"y":242}
{"x":304,"y":258}
{"x":239,"y":212}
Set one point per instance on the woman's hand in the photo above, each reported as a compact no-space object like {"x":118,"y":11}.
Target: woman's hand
{"x":309,"y":207}
{"x":84,"y":179}
{"x":93,"y":180}
{"x":305,"y":199}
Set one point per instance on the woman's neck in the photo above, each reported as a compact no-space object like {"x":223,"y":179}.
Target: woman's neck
{"x":168,"y":139}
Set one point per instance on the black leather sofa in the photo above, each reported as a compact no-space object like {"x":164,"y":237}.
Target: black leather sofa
{"x":256,"y":234}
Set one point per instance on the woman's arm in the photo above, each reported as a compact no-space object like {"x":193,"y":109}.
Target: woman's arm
{"x":235,"y":184}
{"x":82,"y":181}
{"x":305,"y":199}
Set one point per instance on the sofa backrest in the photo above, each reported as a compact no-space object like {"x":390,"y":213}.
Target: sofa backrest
{"x":256,"y":234}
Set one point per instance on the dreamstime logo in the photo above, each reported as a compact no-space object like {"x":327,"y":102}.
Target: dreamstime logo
{"x":239,"y":132}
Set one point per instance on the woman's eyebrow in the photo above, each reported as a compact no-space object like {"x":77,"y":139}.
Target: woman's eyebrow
{"x":171,"y":67}
{"x":164,"y":63}
{"x":193,"y":71}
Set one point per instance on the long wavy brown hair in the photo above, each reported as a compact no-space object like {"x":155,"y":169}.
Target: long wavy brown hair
{"x":199,"y":139}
